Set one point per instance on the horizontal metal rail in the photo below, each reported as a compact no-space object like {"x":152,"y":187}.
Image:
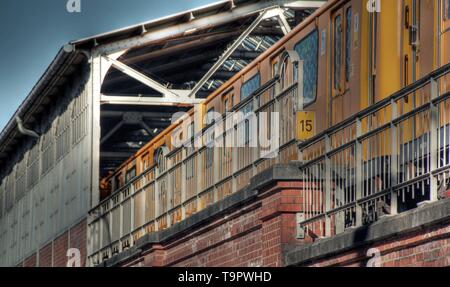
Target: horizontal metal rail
{"x":379,"y":170}
{"x":120,"y":219}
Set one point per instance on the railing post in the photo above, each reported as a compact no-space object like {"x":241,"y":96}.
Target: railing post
{"x":132,"y":209}
{"x":157,"y":198}
{"x":234,"y":160}
{"x":199,"y":159}
{"x":327,"y":186}
{"x":121,"y":233}
{"x":358,"y":172}
{"x":394,"y":158}
{"x":255,"y":134}
{"x":277,"y":110}
{"x":183,"y":182}
{"x":169,"y":198}
{"x":434,"y":127}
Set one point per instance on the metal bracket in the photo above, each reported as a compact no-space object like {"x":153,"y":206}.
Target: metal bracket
{"x":300,"y":232}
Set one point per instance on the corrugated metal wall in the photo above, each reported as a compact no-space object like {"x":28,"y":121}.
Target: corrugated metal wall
{"x":49,"y":189}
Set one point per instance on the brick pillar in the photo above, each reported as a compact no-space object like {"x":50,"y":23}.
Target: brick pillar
{"x":154,"y":257}
{"x":280,"y":204}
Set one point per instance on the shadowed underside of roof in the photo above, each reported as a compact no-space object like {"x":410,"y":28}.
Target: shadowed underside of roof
{"x":176,"y":61}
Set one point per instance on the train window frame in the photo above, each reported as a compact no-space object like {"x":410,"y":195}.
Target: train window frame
{"x":145,"y":162}
{"x":314,"y":35}
{"x":274,"y":63}
{"x":225,"y":105}
{"x":130,"y":174}
{"x":286,"y":77}
{"x":210,"y":116}
{"x":337,"y":59}
{"x":160,"y":159}
{"x":209,"y":157}
{"x":118,"y":181}
{"x":254,"y":79}
{"x":341,"y":49}
{"x":348,"y":43}
{"x":446,"y":4}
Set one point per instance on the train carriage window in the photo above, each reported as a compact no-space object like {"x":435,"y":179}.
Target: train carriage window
{"x":160,"y":159}
{"x":191,"y":130}
{"x":448,"y":10}
{"x":131,"y":173}
{"x":287,"y":75}
{"x":225,"y":105}
{"x":348,"y":42}
{"x":307,"y":50}
{"x":274,"y":71}
{"x":337,"y":52}
{"x":210,"y":116}
{"x":118,"y":181}
{"x":250,"y":86}
{"x":145,"y":161}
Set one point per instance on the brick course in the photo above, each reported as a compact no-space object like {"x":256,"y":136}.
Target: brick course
{"x":54,"y":254}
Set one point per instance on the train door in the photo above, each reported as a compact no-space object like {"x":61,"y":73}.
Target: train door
{"x":410,"y":41}
{"x":410,"y":63}
{"x":341,"y":53}
{"x":341,"y":63}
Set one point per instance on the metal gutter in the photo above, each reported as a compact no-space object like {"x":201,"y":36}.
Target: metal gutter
{"x":22,"y":112}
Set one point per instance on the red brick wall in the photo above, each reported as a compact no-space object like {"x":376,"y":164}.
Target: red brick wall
{"x":54,"y":254}
{"x":60,"y":246}
{"x":426,"y":248}
{"x":45,"y":256}
{"x":78,"y":239}
{"x":31,"y":261}
{"x":256,"y":235}
{"x":252,"y":235}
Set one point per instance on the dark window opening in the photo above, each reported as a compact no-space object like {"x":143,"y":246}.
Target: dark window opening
{"x":250,"y":86}
{"x":348,"y":43}
{"x":307,"y":50}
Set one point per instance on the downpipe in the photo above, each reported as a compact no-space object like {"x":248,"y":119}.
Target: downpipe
{"x":25,"y":131}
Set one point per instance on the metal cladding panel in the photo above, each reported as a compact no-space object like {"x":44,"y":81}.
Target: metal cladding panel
{"x":3,"y":242}
{"x":94,"y":235}
{"x":139,"y":209}
{"x":106,"y":231}
{"x":59,"y":196}
{"x":25,"y":225}
{"x":13,"y":234}
{"x":115,"y":224}
{"x":126,"y":223}
{"x":2,"y":200}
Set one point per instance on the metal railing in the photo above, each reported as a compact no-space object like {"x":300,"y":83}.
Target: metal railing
{"x":195,"y":177}
{"x":384,"y":160}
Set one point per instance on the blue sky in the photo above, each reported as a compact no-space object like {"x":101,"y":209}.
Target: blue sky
{"x":33,"y":31}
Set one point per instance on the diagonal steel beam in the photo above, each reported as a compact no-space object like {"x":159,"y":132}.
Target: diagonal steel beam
{"x":142,"y":78}
{"x":112,"y":132}
{"x":148,"y":101}
{"x":262,"y":16}
{"x":285,"y":27}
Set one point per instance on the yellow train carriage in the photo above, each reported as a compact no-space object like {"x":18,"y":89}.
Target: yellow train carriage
{"x":350,"y":56}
